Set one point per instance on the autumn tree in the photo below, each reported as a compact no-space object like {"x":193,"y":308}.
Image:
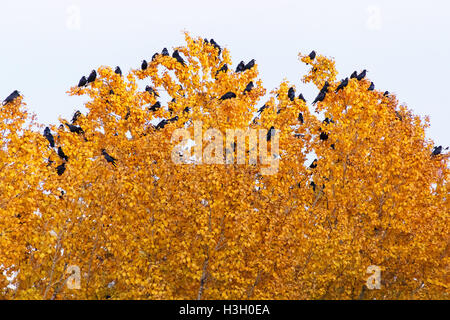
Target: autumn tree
{"x":144,"y":226}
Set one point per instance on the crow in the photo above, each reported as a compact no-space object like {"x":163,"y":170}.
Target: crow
{"x":325,"y":87}
{"x":224,"y":69}
{"x":312,"y":55}
{"x":150,"y":90}
{"x":155,"y":107}
{"x":270,"y":133}
{"x":206,"y":41}
{"x":82,"y":82}
{"x":109,"y":158}
{"x":73,"y":128}
{"x":61,"y":168}
{"x":291,"y":93}
{"x":118,"y":71}
{"x":342,"y":85}
{"x":436,"y":151}
{"x":14,"y":95}
{"x":162,"y":124}
{"x":173,"y":119}
{"x":249,"y":87}
{"x":354,"y":75}
{"x":265,"y":106}
{"x":313,"y":185}
{"x":216,"y":45}
{"x":92,"y":76}
{"x":249,"y":65}
{"x":323,"y":136}
{"x":228,"y":95}
{"x":240,"y":67}
{"x":320,"y":97}
{"x":177,"y":56}
{"x":386,"y":93}
{"x":144,"y":65}
{"x":371,"y":87}
{"x":301,"y":97}
{"x":48,"y":135}
{"x":76,"y":115}
{"x":165,"y":52}
{"x":300,"y":117}
{"x":186,"y":109}
{"x":362,"y":75}
{"x":62,"y":155}
{"x":313,"y":164}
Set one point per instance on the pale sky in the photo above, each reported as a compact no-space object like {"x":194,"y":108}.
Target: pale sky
{"x":47,"y":45}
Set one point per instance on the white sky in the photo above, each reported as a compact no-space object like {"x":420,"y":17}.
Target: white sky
{"x":403,"y":44}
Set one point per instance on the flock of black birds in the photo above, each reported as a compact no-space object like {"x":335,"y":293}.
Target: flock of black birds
{"x":242,"y":66}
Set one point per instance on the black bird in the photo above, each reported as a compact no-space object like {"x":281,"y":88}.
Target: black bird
{"x":300,"y":117}
{"x":240,"y":67}
{"x":61,"y":168}
{"x":165,"y":52}
{"x":436,"y":151}
{"x":354,"y":75}
{"x":206,"y":40}
{"x":249,"y":65}
{"x":173,"y":119}
{"x":216,"y":45}
{"x":372,"y":87}
{"x":118,"y":71}
{"x":313,"y":165}
{"x":291,"y":93}
{"x":249,"y":87}
{"x":155,"y":107}
{"x":320,"y":97}
{"x":144,"y":65}
{"x":82,"y":82}
{"x":92,"y":76}
{"x":270,"y":132}
{"x":313,"y":185}
{"x":186,"y":109}
{"x":323,"y":136}
{"x":386,"y":93}
{"x":301,"y":97}
{"x":177,"y":56}
{"x":342,"y":85}
{"x":162,"y":124}
{"x":62,"y":155}
{"x":14,"y":95}
{"x":76,"y":115}
{"x":362,"y":75}
{"x":150,"y":90}
{"x":154,"y":56}
{"x":109,"y":158}
{"x":312,"y":55}
{"x":73,"y":128}
{"x":228,"y":95}
{"x":48,"y":135}
{"x":325,"y":87}
{"x":265,"y":106}
{"x":327,"y":120}
{"x":224,"y":69}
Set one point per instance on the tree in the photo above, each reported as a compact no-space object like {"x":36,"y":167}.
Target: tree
{"x":146,"y":227}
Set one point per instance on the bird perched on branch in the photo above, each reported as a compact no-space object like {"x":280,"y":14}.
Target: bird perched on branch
{"x":109,"y":158}
{"x":249,"y":87}
{"x":118,"y":71}
{"x":228,"y":95}
{"x":48,"y":135}
{"x":362,"y":75}
{"x":342,"y":85}
{"x":291,"y":93}
{"x":177,"y":56}
{"x":144,"y":65}
{"x":62,"y":155}
{"x":240,"y":67}
{"x":13,"y":96}
{"x":92,"y":76}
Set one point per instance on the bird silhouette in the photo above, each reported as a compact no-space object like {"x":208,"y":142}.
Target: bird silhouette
{"x":291,"y":93}
{"x":354,"y":75}
{"x":265,"y":106}
{"x":228,"y":95}
{"x":61,"y":168}
{"x":108,"y":158}
{"x":162,"y":124}
{"x":14,"y":95}
{"x":74,"y":129}
{"x":436,"y":151}
{"x":144,"y":65}
{"x":75,"y":117}
{"x":301,"y":97}
{"x":362,"y":75}
{"x":249,"y":87}
{"x":312,"y":55}
{"x":155,"y":107}
{"x":165,"y":52}
{"x":323,"y":136}
{"x":152,"y":91}
{"x":224,"y":69}
{"x":386,"y":93}
{"x":240,"y":67}
{"x":313,"y":164}
{"x":216,"y":46}
{"x":82,"y":82}
{"x":300,"y":117}
{"x":62,"y":155}
{"x":118,"y":71}
{"x":371,"y":87}
{"x":177,"y":56}
{"x":320,"y":97}
{"x":48,"y":135}
{"x":342,"y":85}
{"x":249,"y":65}
{"x":92,"y":76}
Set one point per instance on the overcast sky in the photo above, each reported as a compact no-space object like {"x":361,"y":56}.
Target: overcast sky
{"x":47,"y":45}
